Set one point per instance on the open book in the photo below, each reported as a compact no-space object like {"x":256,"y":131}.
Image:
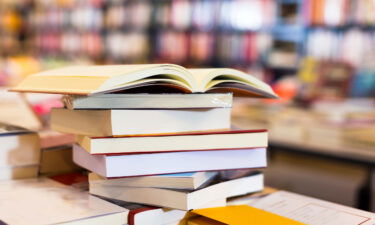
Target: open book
{"x":87,"y":80}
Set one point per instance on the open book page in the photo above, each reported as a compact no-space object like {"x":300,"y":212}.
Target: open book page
{"x":312,"y":211}
{"x":100,"y":79}
{"x":97,"y":71}
{"x":224,"y":77}
{"x":151,"y":73}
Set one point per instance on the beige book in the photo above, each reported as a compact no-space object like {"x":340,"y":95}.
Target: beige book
{"x":196,"y":141}
{"x":19,"y":172}
{"x":57,"y":160}
{"x":133,"y":122}
{"x":16,"y":109}
{"x":86,"y":80}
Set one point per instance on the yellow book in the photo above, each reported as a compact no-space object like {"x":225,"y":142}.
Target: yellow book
{"x":238,"y":215}
{"x":200,"y":220}
{"x":86,"y":80}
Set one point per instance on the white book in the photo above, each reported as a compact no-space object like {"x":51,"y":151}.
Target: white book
{"x":19,"y":147}
{"x":148,"y":101}
{"x":173,"y":162}
{"x":133,"y":122}
{"x":43,"y":201}
{"x":180,"y":199}
{"x":188,"y":181}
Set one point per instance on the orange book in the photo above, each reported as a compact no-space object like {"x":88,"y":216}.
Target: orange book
{"x":238,"y":215}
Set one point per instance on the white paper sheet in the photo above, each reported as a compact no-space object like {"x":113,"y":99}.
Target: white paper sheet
{"x":312,"y":211}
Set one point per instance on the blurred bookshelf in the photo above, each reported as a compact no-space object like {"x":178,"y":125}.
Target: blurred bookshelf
{"x":269,"y":38}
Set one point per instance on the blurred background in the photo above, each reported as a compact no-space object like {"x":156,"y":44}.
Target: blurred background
{"x":319,"y":56}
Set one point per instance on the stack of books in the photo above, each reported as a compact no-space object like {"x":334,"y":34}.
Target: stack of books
{"x":157,"y":149}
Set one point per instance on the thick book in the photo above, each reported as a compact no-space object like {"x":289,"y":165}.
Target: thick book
{"x":44,"y":201}
{"x":19,"y":146}
{"x":182,"y":199}
{"x":198,"y":141}
{"x":148,"y":101}
{"x":126,"y":165}
{"x":187,"y":181}
{"x":86,"y":80}
{"x":133,"y":122}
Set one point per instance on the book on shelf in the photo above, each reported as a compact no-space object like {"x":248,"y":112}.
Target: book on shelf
{"x":19,"y":146}
{"x":87,"y":80}
{"x":126,"y":165}
{"x":132,"y":122}
{"x":187,"y":181}
{"x":44,"y":201}
{"x":149,"y":101}
{"x":196,"y":141}
{"x":183,"y":199}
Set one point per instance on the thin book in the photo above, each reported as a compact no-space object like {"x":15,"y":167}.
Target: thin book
{"x":187,"y":181}
{"x":149,"y":101}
